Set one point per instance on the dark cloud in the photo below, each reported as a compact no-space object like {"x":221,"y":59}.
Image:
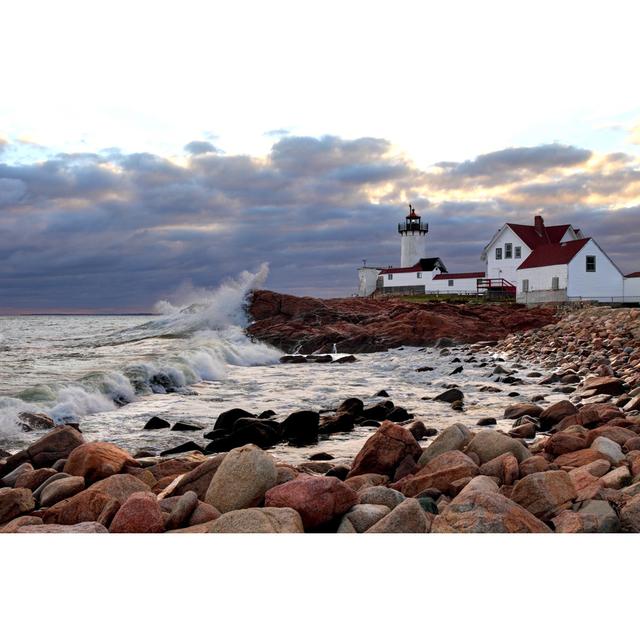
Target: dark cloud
{"x":114,"y":231}
{"x":198,"y":147}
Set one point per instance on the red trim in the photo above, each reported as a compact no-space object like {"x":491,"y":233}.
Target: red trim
{"x":547,"y":255}
{"x":635,"y":274}
{"x":459,"y":276}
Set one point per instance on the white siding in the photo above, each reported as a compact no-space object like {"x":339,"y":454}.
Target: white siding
{"x":413,"y":247}
{"x":541,"y":279}
{"x":410,"y":279}
{"x":603,"y":284}
{"x":460,"y":285}
{"x":507,"y":267}
{"x":632,"y":289}
{"x":367,"y":278}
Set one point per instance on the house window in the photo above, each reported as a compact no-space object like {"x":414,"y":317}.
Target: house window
{"x":591,"y":263}
{"x":451,"y":283}
{"x":390,"y":276}
{"x":508,"y":251}
{"x":525,"y":286}
{"x":498,"y":253}
{"x":419,"y":274}
{"x":555,"y":283}
{"x":518,"y":252}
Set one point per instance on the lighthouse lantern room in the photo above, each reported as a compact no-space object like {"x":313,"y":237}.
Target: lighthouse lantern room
{"x":413,"y":234}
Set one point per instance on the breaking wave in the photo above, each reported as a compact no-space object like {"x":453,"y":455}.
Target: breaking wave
{"x":198,"y":336}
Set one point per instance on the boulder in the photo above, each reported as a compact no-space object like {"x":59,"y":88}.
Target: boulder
{"x":156,"y":423}
{"x":199,"y":478}
{"x":586,"y":484}
{"x":318,"y":500}
{"x":365,"y":480}
{"x":242,"y":479}
{"x":544,"y":494}
{"x":35,"y":421}
{"x":301,"y":427}
{"x":33,"y":479}
{"x":407,"y":517}
{"x":140,"y":513}
{"x":61,"y":489}
{"x":579,"y":458}
{"x":489,"y":444}
{"x":504,"y":467}
{"x":21,"y":521}
{"x":384,"y":450}
{"x":521,"y":409}
{"x":621,"y":435}
{"x":630,"y":515}
{"x":361,"y":517}
{"x":10,"y":479}
{"x":120,"y":486}
{"x":55,"y":445}
{"x":14,"y":503}
{"x":176,"y":466}
{"x":604,"y":384}
{"x":479,"y":511}
{"x":611,"y":450}
{"x":97,"y":460}
{"x":438,"y":474}
{"x":227,"y":419}
{"x":182,"y":510}
{"x":254,"y":520}
{"x":533,"y":465}
{"x":455,"y":437}
{"x":381,"y":496}
{"x":450,"y":395}
{"x":563,"y":442}
{"x":617,"y":478}
{"x":555,"y":413}
{"x":81,"y":527}
{"x":419,"y":431}
{"x":85,"y":506}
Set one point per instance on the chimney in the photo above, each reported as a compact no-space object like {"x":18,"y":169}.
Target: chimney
{"x":538,"y":223}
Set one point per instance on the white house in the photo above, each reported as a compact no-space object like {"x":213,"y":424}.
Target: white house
{"x":537,"y":263}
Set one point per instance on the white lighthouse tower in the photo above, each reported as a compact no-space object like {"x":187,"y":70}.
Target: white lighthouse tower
{"x":413,"y":234}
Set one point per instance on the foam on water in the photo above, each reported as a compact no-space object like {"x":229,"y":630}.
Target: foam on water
{"x":195,"y":340}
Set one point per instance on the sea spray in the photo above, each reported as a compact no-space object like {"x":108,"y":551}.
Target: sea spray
{"x":201,"y":333}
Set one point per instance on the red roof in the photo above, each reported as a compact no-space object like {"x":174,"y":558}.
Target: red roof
{"x":533,"y":239}
{"x":546,"y":255}
{"x":459,"y":276}
{"x":635,"y":274}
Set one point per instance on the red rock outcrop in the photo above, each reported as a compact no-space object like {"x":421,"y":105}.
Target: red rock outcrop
{"x":375,"y":324}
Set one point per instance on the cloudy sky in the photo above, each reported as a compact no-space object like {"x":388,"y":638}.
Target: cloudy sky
{"x":147,"y":148}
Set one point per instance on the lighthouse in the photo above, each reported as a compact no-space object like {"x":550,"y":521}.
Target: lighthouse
{"x":413,"y":234}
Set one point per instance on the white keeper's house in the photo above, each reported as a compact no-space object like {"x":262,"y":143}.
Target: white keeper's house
{"x":535,"y":263}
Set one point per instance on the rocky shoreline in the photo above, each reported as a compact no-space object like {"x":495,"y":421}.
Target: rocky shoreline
{"x":567,"y":466}
{"x":365,"y":325}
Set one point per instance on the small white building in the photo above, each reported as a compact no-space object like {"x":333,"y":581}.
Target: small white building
{"x":632,"y":287}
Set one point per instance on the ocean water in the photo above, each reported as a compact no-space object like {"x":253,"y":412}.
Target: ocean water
{"x":111,"y":374}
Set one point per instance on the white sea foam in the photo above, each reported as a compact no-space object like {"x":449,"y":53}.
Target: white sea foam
{"x":200,"y":335}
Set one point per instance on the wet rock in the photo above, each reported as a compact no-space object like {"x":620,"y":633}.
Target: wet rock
{"x":407,"y":517}
{"x":490,"y":444}
{"x":185,"y":447}
{"x":96,"y":460}
{"x":450,"y":396}
{"x":263,"y":433}
{"x":321,"y":455}
{"x":419,"y":431}
{"x":526,"y":430}
{"x":399,"y":414}
{"x":382,"y":393}
{"x":14,"y":503}
{"x":361,"y":517}
{"x":318,"y":500}
{"x":55,"y":445}
{"x":378,"y":411}
{"x":345,"y":359}
{"x":481,"y":511}
{"x":140,"y":513}
{"x":486,"y":422}
{"x":34,"y":421}
{"x":156,"y":423}
{"x":183,"y":426}
{"x":301,"y":427}
{"x":336,"y":424}
{"x":265,"y":415}
{"x":355,"y":406}
{"x":226,"y":419}
{"x":10,"y":479}
{"x":242,"y":479}
{"x":384,"y":450}
{"x":254,"y":520}
{"x":544,"y":494}
{"x":61,"y":489}
{"x":455,"y":437}
{"x":340,"y":471}
{"x":521,"y":409}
